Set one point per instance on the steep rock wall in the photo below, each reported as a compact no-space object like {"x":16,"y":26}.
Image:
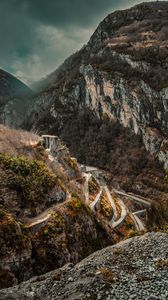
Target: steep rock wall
{"x":136,"y":106}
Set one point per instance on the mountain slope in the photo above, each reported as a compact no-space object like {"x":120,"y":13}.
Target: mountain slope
{"x":121,"y":74}
{"x":14,"y":99}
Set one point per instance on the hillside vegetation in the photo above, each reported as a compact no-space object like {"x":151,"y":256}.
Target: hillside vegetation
{"x":32,"y":185}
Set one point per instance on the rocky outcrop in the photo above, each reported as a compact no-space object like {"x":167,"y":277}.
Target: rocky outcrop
{"x":117,"y":75}
{"x":133,"y":269}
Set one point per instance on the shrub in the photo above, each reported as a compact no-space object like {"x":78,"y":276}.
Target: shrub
{"x":30,"y":178}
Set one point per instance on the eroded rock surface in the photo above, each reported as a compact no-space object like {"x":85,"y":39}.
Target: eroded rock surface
{"x":134,"y":269}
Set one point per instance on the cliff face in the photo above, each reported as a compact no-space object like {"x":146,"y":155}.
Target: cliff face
{"x":121,"y":74}
{"x":135,"y":104}
{"x":15,"y":98}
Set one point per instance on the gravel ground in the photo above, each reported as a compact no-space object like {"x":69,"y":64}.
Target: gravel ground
{"x":134,"y":269}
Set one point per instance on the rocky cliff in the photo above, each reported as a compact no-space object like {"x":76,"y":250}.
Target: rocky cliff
{"x":15,"y":98}
{"x":120,"y":75}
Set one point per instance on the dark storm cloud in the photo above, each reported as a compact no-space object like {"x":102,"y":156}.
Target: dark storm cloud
{"x":36,"y":35}
{"x":63,"y":12}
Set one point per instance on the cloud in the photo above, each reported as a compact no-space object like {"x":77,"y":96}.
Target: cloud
{"x":56,"y":45}
{"x":65,"y":12}
{"x":37,"y":35}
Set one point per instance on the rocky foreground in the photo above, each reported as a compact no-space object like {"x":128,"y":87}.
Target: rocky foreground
{"x":134,"y":269}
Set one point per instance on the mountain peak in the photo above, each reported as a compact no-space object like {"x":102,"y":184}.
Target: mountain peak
{"x":142,"y":13}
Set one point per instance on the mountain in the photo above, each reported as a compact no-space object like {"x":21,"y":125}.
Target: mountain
{"x":109,"y":101}
{"x":14,"y":99}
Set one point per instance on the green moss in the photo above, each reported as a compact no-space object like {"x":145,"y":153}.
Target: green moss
{"x":30,"y":178}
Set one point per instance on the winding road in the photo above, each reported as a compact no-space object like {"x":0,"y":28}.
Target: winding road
{"x":45,"y":215}
{"x":140,"y":212}
{"x":122,"y":216}
{"x":116,"y":220}
{"x":94,"y":204}
{"x":86,"y":186}
{"x":138,"y":223}
{"x":132,"y":197}
{"x":38,"y":220}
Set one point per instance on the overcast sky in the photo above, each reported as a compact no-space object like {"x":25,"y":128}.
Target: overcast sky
{"x":37,"y":35}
